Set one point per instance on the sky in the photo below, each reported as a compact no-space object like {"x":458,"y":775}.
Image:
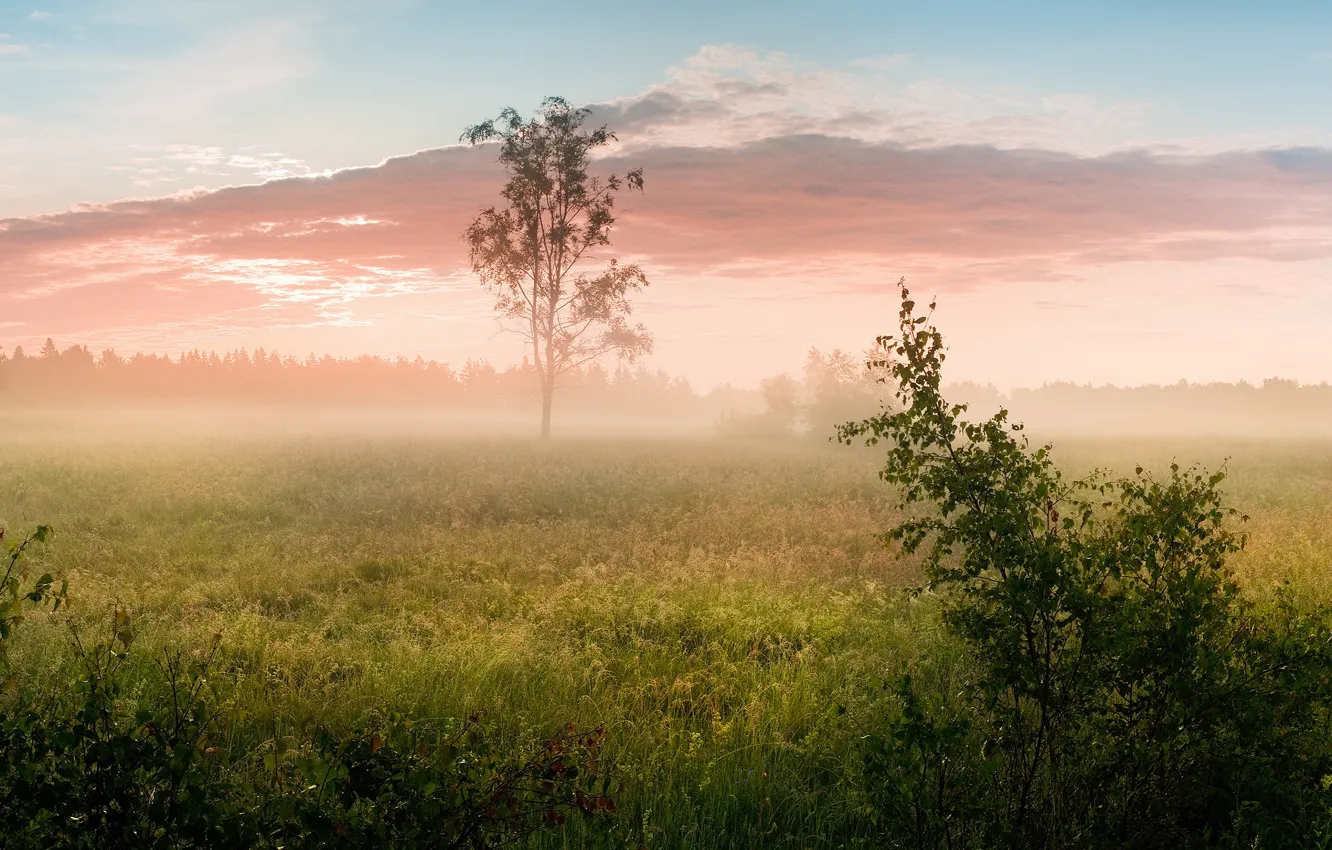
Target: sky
{"x":1119,"y":192}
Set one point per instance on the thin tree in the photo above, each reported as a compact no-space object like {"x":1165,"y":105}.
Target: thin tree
{"x":538,"y":253}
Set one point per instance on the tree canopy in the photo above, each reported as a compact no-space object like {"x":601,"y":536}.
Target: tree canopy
{"x":538,"y":252}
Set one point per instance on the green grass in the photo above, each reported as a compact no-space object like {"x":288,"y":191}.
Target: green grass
{"x":713,"y":604}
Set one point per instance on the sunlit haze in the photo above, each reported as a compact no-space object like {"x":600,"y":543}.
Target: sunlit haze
{"x":1096,"y":192}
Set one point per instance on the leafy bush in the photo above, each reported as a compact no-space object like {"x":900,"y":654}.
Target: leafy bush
{"x":1122,"y":692}
{"x":87,"y":775}
{"x":87,"y":772}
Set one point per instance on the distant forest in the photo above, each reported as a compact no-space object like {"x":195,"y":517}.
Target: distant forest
{"x":831,"y":388}
{"x":1276,"y":407}
{"x":76,"y":376}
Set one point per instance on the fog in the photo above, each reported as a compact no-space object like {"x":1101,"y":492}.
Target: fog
{"x":72,"y":394}
{"x":184,"y":423}
{"x":1097,"y":415}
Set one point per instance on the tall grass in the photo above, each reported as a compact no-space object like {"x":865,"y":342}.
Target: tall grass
{"x":725,"y":610}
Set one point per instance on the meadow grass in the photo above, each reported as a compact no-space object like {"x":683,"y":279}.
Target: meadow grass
{"x":724,"y":609}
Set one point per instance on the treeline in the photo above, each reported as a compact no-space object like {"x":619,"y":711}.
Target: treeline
{"x":831,"y":388}
{"x":1277,"y":406}
{"x":76,"y":375}
{"x":835,"y":388}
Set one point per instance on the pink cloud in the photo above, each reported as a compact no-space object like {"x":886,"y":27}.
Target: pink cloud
{"x":814,"y":196}
{"x":829,"y":214}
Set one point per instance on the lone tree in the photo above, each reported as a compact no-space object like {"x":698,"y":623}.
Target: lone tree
{"x":538,"y":253}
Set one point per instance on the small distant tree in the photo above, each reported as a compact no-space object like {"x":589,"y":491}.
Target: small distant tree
{"x":837,"y":389}
{"x":538,"y":253}
{"x":781,"y":396}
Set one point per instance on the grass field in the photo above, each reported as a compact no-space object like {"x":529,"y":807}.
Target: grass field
{"x":716,"y":605}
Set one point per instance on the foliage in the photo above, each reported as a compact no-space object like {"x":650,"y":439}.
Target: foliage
{"x":92,"y":773}
{"x":398,"y":785}
{"x":1123,"y":693}
{"x":88,"y":774}
{"x":16,"y":592}
{"x":536,"y":252}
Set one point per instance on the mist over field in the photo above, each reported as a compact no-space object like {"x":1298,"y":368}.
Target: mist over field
{"x":643,"y":404}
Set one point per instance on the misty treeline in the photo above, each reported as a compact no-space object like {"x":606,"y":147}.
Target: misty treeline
{"x":836,"y":386}
{"x":76,"y":375}
{"x":830,"y":387}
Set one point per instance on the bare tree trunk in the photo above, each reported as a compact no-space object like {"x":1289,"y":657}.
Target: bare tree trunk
{"x":547,"y":392}
{"x":548,"y":380}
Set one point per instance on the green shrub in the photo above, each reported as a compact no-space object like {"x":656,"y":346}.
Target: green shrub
{"x":1121,"y":691}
